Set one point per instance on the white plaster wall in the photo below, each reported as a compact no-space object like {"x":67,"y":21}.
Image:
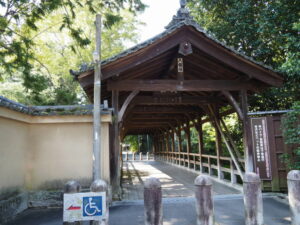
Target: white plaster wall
{"x":44,"y":152}
{"x":13,"y":148}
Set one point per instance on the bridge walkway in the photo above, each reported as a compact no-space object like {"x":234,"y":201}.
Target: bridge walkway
{"x":176,"y":181}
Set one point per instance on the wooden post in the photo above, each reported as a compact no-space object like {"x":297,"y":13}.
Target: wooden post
{"x":97,"y":101}
{"x":188,"y":139}
{"x":147,"y":156}
{"x":72,"y":187}
{"x":101,"y":186}
{"x":179,"y":144}
{"x":173,"y":146}
{"x":253,"y":200}
{"x":133,"y":156}
{"x":218,"y":144}
{"x":141,"y":156}
{"x":294,"y":195}
{"x":167,"y":145}
{"x":209,"y":167}
{"x":249,"y":160}
{"x":232,"y":174}
{"x":204,"y":201}
{"x":126,"y":156}
{"x":153,"y":202}
{"x":116,"y":177}
{"x":200,"y":142}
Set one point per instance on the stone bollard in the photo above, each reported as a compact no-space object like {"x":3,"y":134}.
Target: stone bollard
{"x":153,"y":202}
{"x":72,"y":187}
{"x":204,"y":201}
{"x":101,"y":186}
{"x":293,"y":178}
{"x":147,"y":156}
{"x":253,"y":200}
{"x":141,"y":156}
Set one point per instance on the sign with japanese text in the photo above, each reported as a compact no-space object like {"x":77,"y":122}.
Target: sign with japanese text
{"x":260,"y":141}
{"x":84,"y":206}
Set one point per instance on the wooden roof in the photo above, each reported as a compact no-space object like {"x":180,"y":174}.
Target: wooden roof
{"x":170,"y":78}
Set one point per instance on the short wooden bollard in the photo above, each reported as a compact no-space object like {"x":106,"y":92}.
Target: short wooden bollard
{"x":153,"y":202}
{"x":204,"y":201}
{"x":294,"y":195}
{"x":72,"y":187}
{"x":253,"y":200}
{"x":141,"y":156}
{"x":101,"y":186}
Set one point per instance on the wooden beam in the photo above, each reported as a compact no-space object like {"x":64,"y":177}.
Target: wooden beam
{"x":234,"y":103}
{"x":176,"y":100}
{"x":125,"y":104}
{"x":175,"y":85}
{"x":166,"y":109}
{"x":233,"y":157}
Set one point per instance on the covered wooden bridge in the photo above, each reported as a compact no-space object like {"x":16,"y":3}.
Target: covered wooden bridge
{"x":178,"y":80}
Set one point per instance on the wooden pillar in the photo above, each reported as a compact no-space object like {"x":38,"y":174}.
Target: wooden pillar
{"x":179,"y":144}
{"x":167,"y":145}
{"x":173,"y":145}
{"x":218,"y":143}
{"x":248,"y":148}
{"x":116,"y":178}
{"x":200,"y":142}
{"x":188,"y":140}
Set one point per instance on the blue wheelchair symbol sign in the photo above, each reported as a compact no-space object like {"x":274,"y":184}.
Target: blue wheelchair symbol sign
{"x":92,"y":206}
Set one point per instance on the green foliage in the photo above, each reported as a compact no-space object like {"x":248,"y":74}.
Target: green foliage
{"x":266,"y":30}
{"x":39,"y":43}
{"x":291,"y":133}
{"x":133,"y":141}
{"x":209,"y":138}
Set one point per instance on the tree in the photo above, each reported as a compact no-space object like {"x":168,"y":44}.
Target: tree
{"x":291,"y":131}
{"x":41,"y":40}
{"x":267,"y":31}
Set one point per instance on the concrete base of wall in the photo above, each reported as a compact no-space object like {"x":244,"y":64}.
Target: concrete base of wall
{"x":12,"y":206}
{"x":45,"y":199}
{"x":15,"y":204}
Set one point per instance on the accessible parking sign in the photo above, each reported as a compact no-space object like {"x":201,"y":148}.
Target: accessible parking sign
{"x":84,"y":206}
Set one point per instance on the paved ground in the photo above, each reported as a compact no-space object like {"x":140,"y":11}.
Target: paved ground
{"x":228,"y":205}
{"x":177,"y":211}
{"x":176,"y":182}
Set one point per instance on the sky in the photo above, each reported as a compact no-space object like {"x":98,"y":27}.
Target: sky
{"x":157,"y":16}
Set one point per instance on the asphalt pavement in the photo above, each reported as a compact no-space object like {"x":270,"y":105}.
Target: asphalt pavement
{"x":229,"y":210}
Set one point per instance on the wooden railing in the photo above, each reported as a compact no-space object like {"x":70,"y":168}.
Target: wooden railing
{"x":210,"y":164}
{"x":129,"y":156}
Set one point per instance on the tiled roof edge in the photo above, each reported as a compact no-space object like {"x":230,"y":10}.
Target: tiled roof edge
{"x":50,"y":110}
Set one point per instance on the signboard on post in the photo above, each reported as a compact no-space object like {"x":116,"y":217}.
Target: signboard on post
{"x":261,"y":147}
{"x":84,"y":206}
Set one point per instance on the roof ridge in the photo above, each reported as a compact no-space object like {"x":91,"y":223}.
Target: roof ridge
{"x":182,"y":18}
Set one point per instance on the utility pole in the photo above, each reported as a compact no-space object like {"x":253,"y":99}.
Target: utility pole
{"x":97,"y":101}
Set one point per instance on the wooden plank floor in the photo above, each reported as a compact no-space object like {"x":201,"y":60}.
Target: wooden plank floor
{"x":176,"y":182}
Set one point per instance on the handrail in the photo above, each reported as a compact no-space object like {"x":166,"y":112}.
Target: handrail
{"x":211,"y":167}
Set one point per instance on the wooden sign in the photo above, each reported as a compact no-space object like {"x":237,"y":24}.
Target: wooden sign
{"x":261,"y":147}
